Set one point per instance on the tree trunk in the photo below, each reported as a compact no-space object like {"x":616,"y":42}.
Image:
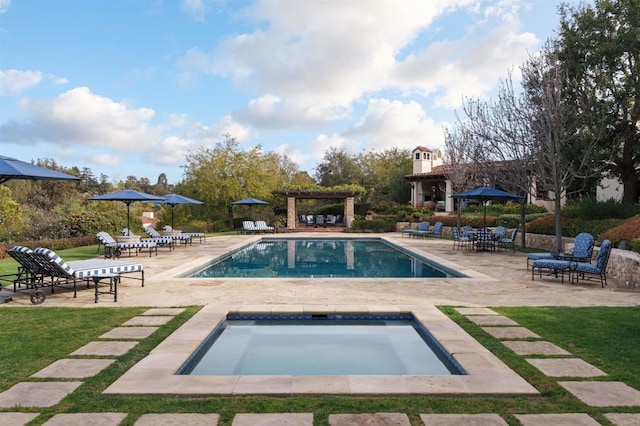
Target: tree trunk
{"x":523,"y":243}
{"x":558,"y":211}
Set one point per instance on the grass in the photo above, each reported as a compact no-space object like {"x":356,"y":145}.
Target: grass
{"x":33,"y":337}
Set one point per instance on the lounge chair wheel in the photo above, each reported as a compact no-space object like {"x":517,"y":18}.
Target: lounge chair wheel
{"x":116,"y":253}
{"x":37,"y":297}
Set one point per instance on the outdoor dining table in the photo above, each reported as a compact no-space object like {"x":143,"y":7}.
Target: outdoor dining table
{"x":483,"y":244}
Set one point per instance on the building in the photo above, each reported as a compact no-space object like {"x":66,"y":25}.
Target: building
{"x":431,"y":188}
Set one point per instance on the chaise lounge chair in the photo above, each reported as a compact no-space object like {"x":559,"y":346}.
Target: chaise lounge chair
{"x":179,"y":237}
{"x":249,"y":227}
{"x":435,"y":232}
{"x":263,"y":227}
{"x":112,"y":248}
{"x":200,"y":235}
{"x":423,"y":227}
{"x":47,"y":269}
{"x":161,"y":241}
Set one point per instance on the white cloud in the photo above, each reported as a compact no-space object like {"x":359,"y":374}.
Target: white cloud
{"x":4,"y":5}
{"x":105,"y":160}
{"x":196,"y":9}
{"x":451,"y":70}
{"x":390,"y":124}
{"x":14,"y":81}
{"x":311,"y":62}
{"x":79,"y":117}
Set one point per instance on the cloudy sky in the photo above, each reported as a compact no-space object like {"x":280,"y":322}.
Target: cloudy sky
{"x":130,"y":87}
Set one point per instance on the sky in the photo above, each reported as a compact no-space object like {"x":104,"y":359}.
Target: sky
{"x":131,"y":87}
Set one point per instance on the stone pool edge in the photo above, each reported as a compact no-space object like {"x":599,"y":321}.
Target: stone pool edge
{"x":155,"y":374}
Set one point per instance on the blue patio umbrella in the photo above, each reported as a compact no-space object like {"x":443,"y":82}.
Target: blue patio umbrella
{"x":12,"y":168}
{"x":174,"y":199}
{"x":484,"y":194}
{"x":128,"y":196}
{"x":249,"y":202}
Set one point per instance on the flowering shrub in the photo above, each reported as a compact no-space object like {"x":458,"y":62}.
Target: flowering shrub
{"x":629,"y":230}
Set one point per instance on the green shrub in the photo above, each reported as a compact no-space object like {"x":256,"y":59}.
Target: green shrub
{"x":90,"y":222}
{"x":635,"y":245}
{"x":591,"y":209}
{"x":380,"y":224}
{"x":570,"y":227}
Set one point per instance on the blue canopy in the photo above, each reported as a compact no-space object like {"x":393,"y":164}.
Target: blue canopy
{"x":128,"y":196}
{"x":248,"y":202}
{"x":11,"y":168}
{"x":174,"y":199}
{"x":486,"y":193}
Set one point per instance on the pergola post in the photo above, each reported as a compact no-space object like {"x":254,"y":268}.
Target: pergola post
{"x":349,"y":211}
{"x":292,"y":214}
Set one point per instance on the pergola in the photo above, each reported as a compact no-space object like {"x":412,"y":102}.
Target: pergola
{"x":293,"y":196}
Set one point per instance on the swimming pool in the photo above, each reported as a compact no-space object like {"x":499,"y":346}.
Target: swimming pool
{"x":323,"y":258}
{"x":321,"y":344}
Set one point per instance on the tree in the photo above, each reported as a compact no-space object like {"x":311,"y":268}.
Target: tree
{"x":338,"y":167}
{"x":599,"y":46}
{"x":563,"y":128}
{"x":382,"y":175}
{"x":496,"y":136}
{"x":10,"y":214}
{"x":225,"y":173}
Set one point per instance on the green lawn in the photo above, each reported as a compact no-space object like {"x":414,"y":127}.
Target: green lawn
{"x":33,"y":337}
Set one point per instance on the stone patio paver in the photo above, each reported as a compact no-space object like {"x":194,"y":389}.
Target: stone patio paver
{"x":534,"y":348}
{"x":491,"y":320}
{"x":565,"y":367}
{"x":603,"y":394}
{"x":624,"y":419}
{"x":74,"y":368}
{"x":569,"y":419}
{"x":36,"y":394}
{"x":84,"y":419}
{"x":149,"y":320}
{"x":511,"y":332}
{"x":463,"y":419}
{"x":106,"y":348}
{"x":163,"y":311}
{"x":476,"y":311}
{"x":129,"y":333}
{"x":273,"y":419}
{"x":375,"y":419}
{"x":16,"y":419}
{"x":178,"y":419}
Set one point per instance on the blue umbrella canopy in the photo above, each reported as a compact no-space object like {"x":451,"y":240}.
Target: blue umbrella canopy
{"x":486,"y":193}
{"x":128,"y":196}
{"x":173,"y":199}
{"x":248,"y":202}
{"x":11,"y":168}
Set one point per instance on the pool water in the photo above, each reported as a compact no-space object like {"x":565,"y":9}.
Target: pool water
{"x":338,"y":345}
{"x":318,"y":258}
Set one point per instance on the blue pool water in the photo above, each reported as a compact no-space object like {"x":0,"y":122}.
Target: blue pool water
{"x":321,"y":258}
{"x":338,"y":344}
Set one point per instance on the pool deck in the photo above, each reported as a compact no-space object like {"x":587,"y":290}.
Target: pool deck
{"x":493,"y":279}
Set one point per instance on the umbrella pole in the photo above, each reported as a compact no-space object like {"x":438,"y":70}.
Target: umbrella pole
{"x":172,"y":216}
